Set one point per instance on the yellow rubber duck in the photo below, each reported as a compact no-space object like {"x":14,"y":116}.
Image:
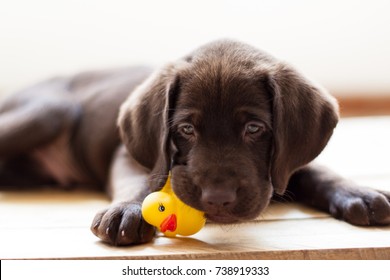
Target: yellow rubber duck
{"x":164,"y":210}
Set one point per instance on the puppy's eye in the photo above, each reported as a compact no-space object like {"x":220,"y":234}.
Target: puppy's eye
{"x":187,"y":129}
{"x":254,"y":128}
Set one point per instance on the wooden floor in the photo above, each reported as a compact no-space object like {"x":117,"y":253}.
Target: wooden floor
{"x":53,"y":224}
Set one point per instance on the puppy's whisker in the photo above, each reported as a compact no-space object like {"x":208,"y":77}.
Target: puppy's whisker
{"x":228,"y":227}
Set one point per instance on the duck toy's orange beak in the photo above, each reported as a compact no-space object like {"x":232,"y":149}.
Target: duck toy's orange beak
{"x":169,"y":223}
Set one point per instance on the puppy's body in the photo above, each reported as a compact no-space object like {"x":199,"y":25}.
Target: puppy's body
{"x":233,"y":125}
{"x":64,"y":128}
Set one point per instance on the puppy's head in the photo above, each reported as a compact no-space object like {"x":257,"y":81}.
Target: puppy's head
{"x":231,"y":123}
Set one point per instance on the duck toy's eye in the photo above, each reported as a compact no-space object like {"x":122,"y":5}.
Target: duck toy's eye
{"x":161,"y":208}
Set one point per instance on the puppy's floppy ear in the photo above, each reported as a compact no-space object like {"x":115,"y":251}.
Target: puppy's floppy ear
{"x":144,"y":123}
{"x":304,"y":117}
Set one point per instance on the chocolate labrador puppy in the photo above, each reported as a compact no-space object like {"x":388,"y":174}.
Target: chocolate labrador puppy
{"x":232,"y":124}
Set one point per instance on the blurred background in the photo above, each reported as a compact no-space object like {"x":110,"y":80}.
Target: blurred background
{"x":344,"y":45}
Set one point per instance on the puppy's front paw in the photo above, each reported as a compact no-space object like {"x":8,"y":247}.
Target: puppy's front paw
{"x":361,"y":206}
{"x":122,"y":224}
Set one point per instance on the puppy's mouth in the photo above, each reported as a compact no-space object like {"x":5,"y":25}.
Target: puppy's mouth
{"x":221,"y":219}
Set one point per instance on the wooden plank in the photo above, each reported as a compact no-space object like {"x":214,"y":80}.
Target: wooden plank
{"x":291,"y":239}
{"x":286,"y":230}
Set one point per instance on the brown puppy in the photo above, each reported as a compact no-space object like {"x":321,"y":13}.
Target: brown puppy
{"x":233,"y":124}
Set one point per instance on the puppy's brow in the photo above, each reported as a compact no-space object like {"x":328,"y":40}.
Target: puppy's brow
{"x":186,"y":115}
{"x":255,"y":112}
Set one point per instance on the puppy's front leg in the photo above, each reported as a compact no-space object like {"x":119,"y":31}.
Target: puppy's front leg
{"x":122,"y":222}
{"x":343,"y":199}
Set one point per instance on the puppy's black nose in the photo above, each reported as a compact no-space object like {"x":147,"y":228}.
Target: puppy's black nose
{"x":219,"y":197}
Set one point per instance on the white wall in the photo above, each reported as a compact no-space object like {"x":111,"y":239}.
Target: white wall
{"x":345,"y":45}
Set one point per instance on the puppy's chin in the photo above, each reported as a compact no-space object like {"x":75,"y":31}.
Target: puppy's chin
{"x":225,"y":218}
{"x":220,"y":219}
